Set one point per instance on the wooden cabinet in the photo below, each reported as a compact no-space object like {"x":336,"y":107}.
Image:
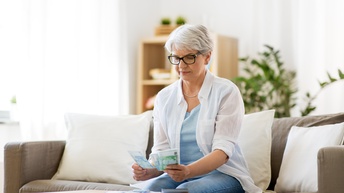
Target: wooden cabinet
{"x":152,"y":54}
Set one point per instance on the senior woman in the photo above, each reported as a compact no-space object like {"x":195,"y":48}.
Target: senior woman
{"x":200,"y":115}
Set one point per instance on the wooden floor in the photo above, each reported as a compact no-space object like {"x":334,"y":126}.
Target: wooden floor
{"x":8,"y":132}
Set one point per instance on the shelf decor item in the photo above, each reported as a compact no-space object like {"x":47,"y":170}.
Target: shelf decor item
{"x":165,"y":21}
{"x":180,"y":20}
{"x":165,"y":27}
{"x":160,"y":73}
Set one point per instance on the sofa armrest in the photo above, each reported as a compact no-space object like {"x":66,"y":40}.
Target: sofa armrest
{"x":330,"y":169}
{"x":28,"y":161}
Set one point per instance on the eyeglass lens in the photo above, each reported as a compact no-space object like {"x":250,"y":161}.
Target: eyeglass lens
{"x":188,"y":59}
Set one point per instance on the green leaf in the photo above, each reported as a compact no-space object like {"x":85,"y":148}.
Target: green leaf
{"x":323,"y":84}
{"x":243,"y":59}
{"x":331,"y":78}
{"x":340,"y":73}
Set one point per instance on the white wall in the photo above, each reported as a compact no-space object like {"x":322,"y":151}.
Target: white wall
{"x":141,"y":17}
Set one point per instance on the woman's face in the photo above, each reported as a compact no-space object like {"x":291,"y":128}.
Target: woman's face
{"x":193,"y":71}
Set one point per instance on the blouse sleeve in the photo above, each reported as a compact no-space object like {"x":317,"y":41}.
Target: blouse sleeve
{"x":228,"y":121}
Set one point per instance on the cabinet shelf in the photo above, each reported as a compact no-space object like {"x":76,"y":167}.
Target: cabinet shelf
{"x":158,"y":82}
{"x":152,"y":54}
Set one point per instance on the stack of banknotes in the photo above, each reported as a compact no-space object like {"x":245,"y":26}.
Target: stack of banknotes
{"x":158,"y":160}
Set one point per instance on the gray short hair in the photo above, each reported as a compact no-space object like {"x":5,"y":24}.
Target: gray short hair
{"x":190,"y":37}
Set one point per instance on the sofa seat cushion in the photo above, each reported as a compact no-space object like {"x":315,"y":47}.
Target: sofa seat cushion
{"x":65,"y":185}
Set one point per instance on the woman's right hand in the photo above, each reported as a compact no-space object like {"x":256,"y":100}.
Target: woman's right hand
{"x":141,"y":174}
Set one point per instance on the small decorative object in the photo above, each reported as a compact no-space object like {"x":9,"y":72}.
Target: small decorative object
{"x":160,"y":73}
{"x":180,"y":20}
{"x":165,"y":27}
{"x":165,"y":21}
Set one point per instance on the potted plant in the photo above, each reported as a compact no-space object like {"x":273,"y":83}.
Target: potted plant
{"x":266,"y":84}
{"x":180,"y":20}
{"x":165,"y":27}
{"x":165,"y":21}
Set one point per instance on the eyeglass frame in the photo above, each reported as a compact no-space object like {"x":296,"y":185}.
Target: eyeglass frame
{"x":182,"y":58}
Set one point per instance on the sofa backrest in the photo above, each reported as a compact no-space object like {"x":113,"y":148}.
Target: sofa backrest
{"x":280,"y":131}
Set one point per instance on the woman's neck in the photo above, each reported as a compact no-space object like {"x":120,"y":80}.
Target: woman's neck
{"x":192,"y":88}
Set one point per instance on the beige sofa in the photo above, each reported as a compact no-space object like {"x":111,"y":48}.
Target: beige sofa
{"x":29,"y":166}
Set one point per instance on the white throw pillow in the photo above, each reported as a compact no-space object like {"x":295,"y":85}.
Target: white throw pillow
{"x":255,"y":143}
{"x":97,"y":147}
{"x":298,"y":171}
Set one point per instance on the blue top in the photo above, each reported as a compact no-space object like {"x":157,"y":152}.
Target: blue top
{"x":189,"y":150}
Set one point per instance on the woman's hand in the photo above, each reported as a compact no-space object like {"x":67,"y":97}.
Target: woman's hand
{"x":177,"y":172}
{"x":202,"y":166}
{"x":141,"y":174}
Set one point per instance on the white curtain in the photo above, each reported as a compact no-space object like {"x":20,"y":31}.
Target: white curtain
{"x":309,"y":35}
{"x":70,"y":60}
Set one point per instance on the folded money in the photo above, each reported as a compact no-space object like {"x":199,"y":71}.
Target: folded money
{"x":163,"y":158}
{"x":140,"y":159}
{"x":159,"y":160}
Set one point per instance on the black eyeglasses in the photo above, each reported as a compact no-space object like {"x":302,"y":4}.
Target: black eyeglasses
{"x":188,"y":59}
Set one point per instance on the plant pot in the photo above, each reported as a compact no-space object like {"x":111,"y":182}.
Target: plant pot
{"x":164,"y":30}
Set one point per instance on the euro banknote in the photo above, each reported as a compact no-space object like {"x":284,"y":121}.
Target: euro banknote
{"x":158,"y":160}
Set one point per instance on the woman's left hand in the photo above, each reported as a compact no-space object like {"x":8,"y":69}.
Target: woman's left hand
{"x":177,"y":172}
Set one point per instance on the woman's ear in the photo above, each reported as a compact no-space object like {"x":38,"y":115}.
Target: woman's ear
{"x":207,"y":58}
